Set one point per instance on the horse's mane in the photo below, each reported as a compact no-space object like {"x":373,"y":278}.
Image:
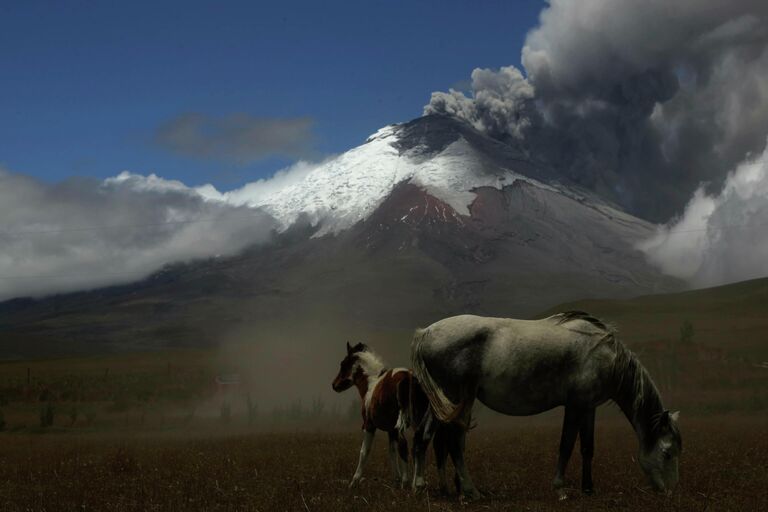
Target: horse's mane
{"x":570,"y":316}
{"x":636,"y":393}
{"x":370,"y":362}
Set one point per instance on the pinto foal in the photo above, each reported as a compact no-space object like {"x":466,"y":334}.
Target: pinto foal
{"x":392,"y":401}
{"x":384,"y":393}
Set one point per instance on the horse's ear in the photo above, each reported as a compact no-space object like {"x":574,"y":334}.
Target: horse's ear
{"x":349,"y":349}
{"x":674,"y":416}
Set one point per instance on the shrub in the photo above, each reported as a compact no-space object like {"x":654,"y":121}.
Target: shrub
{"x":686,"y":332}
{"x":46,"y":415}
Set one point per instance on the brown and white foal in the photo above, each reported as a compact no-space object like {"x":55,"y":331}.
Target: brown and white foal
{"x":384,"y":393}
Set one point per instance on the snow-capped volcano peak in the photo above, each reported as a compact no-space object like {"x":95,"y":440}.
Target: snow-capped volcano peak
{"x":347,"y":188}
{"x":445,"y":157}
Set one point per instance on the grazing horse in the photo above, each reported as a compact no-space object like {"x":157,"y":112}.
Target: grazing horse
{"x":524,"y":367}
{"x":390,"y":400}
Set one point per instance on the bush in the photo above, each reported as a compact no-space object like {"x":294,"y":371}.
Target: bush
{"x":73,"y":414}
{"x":686,"y":332}
{"x":225,"y":412}
{"x":46,"y":415}
{"x":252,"y":409}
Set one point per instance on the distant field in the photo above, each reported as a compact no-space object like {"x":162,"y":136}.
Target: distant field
{"x":722,"y":468}
{"x":151,"y":430}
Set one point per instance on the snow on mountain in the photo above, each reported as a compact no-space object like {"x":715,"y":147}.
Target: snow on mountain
{"x":444,"y":157}
{"x":344,"y":190}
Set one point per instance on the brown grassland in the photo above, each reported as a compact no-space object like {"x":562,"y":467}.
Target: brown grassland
{"x":723,"y":468}
{"x":149,"y":431}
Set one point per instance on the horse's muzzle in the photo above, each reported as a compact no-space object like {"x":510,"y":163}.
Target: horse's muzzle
{"x":341,"y":385}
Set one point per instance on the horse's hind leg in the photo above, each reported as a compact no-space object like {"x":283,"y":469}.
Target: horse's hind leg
{"x":567,"y":441}
{"x":421,"y":439}
{"x":398,"y":457}
{"x":402,"y":452}
{"x":393,"y":456}
{"x":456,"y":447}
{"x":440,"y":445}
{"x":587,"y":442}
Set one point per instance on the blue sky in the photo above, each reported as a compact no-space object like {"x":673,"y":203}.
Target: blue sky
{"x":84,"y":86}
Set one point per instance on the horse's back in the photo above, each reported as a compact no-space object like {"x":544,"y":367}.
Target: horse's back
{"x":514,"y":366}
{"x":448,"y":332}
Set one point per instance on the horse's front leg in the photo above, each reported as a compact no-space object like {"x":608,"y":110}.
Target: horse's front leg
{"x":365,"y":450}
{"x":440,"y":445}
{"x":587,"y":442}
{"x":567,"y":441}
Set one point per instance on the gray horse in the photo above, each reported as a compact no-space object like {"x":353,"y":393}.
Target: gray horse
{"x":524,"y":367}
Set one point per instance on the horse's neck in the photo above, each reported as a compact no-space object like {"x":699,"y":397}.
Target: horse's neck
{"x":368,"y":374}
{"x":363,"y":383}
{"x":637,"y":397}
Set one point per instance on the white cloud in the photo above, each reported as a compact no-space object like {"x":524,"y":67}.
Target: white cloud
{"x":81,"y":233}
{"x":719,"y":238}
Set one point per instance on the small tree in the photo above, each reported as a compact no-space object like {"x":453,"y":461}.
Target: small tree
{"x":253,"y":409}
{"x":46,"y":414}
{"x":353,"y":410}
{"x":318,"y":406}
{"x":73,"y":414}
{"x":225,"y":412}
{"x":686,"y":332}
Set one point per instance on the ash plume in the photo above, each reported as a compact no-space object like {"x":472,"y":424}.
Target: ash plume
{"x":639,"y":100}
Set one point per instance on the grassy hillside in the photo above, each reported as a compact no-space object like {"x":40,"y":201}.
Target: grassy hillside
{"x":718,"y":366}
{"x":731,"y":318}
{"x":706,"y":349}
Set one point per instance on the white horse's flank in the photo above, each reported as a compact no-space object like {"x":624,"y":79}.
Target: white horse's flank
{"x":524,"y":367}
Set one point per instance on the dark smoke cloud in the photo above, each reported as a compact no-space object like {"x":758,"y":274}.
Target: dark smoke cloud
{"x":640,"y":100}
{"x":500,"y":103}
{"x":83,"y":233}
{"x":238,"y":138}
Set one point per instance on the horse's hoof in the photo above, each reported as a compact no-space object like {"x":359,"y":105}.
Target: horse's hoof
{"x":471,"y":495}
{"x":588,"y":491}
{"x":562,"y":495}
{"x":355,"y":482}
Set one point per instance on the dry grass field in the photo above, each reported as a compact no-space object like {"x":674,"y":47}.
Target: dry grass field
{"x":149,"y":431}
{"x":723,"y":468}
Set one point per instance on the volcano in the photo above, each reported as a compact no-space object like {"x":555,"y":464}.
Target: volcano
{"x":425,"y":219}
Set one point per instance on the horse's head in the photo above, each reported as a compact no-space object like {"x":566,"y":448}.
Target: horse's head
{"x":348,"y":366}
{"x":659,"y":457}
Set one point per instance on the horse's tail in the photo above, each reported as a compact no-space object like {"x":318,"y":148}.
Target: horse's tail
{"x":442,"y":406}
